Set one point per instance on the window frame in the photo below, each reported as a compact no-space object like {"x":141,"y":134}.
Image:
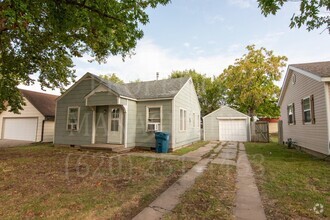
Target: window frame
{"x":311,"y":110}
{"x":78,"y":118}
{"x":193,"y":120}
{"x":293,"y":114}
{"x":184,"y":120}
{"x":306,"y":110}
{"x":161,"y":118}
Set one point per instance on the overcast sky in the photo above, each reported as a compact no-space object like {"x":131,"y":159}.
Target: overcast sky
{"x":208,"y":35}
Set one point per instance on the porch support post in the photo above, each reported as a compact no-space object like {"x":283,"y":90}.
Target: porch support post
{"x":125,"y":107}
{"x":93,"y":124}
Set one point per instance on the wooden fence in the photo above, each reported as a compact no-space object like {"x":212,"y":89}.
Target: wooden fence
{"x":260,"y":131}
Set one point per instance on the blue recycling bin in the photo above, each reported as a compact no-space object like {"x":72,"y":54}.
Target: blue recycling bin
{"x":162,"y":141}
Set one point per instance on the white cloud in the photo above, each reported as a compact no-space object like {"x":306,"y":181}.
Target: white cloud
{"x":186,"y":44}
{"x":214,"y":19}
{"x":151,"y":58}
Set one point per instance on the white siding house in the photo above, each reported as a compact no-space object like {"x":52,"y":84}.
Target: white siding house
{"x":34,"y":123}
{"x":304,"y":103}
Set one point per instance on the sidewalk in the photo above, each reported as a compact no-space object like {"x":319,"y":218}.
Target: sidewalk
{"x":248,"y":201}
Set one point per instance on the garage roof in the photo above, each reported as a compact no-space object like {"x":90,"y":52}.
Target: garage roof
{"x":225,"y":111}
{"x":44,"y":103}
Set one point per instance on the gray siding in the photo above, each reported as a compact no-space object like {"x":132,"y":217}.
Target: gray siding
{"x":147,"y":139}
{"x":102,"y":98}
{"x":211,"y":123}
{"x":186,"y":99}
{"x":75,"y":97}
{"x":310,"y":136}
{"x":131,"y":124}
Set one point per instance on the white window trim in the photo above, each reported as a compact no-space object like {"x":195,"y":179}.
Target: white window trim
{"x":310,"y":110}
{"x":193,"y":120}
{"x":184,"y":121}
{"x":67,"y":118}
{"x":161,"y":117}
{"x":293,"y":114}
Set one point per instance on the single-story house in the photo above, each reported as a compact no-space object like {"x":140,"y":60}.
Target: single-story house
{"x":96,"y":111}
{"x":226,"y":124}
{"x":305,"y":106}
{"x":34,"y":123}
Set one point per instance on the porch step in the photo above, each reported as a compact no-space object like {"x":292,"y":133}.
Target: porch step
{"x":109,"y":147}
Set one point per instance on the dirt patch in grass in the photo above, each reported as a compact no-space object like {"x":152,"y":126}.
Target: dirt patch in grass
{"x":51,"y":182}
{"x":293,"y":185}
{"x":211,"y":197}
{"x":189,"y":148}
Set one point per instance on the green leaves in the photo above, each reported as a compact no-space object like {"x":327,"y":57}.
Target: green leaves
{"x":249,"y":83}
{"x":209,"y":91}
{"x":112,"y":78}
{"x":313,"y":13}
{"x":42,"y":37}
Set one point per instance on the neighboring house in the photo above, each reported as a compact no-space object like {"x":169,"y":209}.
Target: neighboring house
{"x":34,"y":123}
{"x":305,"y":108}
{"x":272,"y":124}
{"x":226,"y":124}
{"x":96,"y":111}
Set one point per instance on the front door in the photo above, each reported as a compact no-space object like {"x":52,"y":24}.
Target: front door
{"x":115,"y":125}
{"x":101,"y":124}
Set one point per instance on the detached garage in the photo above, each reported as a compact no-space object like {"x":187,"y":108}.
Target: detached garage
{"x":226,"y":124}
{"x":34,"y":123}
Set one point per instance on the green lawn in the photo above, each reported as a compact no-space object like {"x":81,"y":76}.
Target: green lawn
{"x":211,"y":197}
{"x":189,"y":148}
{"x":47,"y":182}
{"x":292,"y":183}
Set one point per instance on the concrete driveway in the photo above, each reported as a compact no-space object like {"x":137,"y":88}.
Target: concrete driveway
{"x":14,"y":143}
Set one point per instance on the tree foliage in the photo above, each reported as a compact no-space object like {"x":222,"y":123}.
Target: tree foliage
{"x":209,"y":91}
{"x":249,"y":83}
{"x":113,"y":78}
{"x":42,"y":36}
{"x":313,"y":13}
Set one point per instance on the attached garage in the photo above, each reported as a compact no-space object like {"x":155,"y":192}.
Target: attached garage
{"x":24,"y":129}
{"x":226,"y":124}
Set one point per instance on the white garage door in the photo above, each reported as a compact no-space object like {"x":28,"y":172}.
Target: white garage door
{"x":232,"y":130}
{"x":24,"y":129}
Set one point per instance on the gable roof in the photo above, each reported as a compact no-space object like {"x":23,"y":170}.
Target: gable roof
{"x":44,"y":103}
{"x":319,"y":71}
{"x":166,"y":88}
{"x":226,"y":111}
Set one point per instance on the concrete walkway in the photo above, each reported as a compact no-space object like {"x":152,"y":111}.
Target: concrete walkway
{"x":248,"y":201}
{"x":14,"y":143}
{"x":169,"y":199}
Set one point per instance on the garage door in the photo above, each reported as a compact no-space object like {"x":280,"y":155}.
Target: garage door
{"x":24,"y":129}
{"x":232,"y":130}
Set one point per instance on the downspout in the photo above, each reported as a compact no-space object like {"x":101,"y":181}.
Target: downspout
{"x":42,"y":130}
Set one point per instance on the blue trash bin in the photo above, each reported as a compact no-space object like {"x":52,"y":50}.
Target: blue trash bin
{"x":162,"y":141}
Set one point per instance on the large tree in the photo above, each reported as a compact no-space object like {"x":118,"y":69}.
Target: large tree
{"x":250,"y":82}
{"x":209,"y":91}
{"x":113,"y":78}
{"x":42,"y":36}
{"x":313,"y":13}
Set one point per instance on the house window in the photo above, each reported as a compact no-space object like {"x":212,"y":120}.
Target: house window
{"x":115,"y":119}
{"x":194,"y":119}
{"x":154,"y":118}
{"x":73,"y":118}
{"x":307,"y":106}
{"x":291,"y":114}
{"x":183,"y":120}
